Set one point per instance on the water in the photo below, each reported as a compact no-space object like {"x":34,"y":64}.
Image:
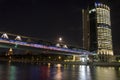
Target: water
{"x":19,"y":71}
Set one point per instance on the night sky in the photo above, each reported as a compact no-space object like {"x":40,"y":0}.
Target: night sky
{"x":50,"y":19}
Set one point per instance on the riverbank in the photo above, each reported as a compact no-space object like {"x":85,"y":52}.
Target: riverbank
{"x":105,"y":64}
{"x":61,"y":62}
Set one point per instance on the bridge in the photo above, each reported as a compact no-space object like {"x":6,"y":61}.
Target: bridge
{"x":8,"y":40}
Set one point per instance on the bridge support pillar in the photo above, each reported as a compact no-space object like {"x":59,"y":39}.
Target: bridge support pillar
{"x":73,"y":57}
{"x":10,"y":51}
{"x":76,"y":58}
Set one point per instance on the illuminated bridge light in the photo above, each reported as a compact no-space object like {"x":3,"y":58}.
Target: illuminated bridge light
{"x":58,"y":45}
{"x":65,"y":46}
{"x":18,"y":38}
{"x":4,"y":36}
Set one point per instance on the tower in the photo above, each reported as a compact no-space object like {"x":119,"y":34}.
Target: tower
{"x":97,"y":35}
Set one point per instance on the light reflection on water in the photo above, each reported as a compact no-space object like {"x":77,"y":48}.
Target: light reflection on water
{"x":101,"y":73}
{"x":83,"y":72}
{"x":58,"y":74}
{"x":18,"y":71}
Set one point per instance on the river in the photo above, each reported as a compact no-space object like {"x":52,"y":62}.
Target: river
{"x":23,"y":71}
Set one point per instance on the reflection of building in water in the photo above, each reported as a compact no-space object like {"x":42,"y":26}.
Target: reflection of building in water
{"x":97,"y":36}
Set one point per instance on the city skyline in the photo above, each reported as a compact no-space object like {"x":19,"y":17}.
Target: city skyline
{"x":50,"y":20}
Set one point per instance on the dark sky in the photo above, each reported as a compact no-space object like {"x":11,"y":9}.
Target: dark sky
{"x":50,"y":19}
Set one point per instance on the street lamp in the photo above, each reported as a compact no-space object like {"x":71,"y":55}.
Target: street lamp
{"x":60,"y":43}
{"x":60,"y":39}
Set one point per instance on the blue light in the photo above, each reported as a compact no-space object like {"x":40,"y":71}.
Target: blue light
{"x":96,"y":4}
{"x":17,"y":43}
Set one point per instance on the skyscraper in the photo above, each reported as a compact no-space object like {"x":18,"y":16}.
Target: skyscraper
{"x":97,"y":36}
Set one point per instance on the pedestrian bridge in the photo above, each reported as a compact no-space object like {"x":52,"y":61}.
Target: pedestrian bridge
{"x":18,"y":43}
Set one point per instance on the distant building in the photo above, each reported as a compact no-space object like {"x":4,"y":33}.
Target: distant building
{"x":97,"y":36}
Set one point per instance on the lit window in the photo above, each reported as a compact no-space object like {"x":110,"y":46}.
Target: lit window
{"x":92,"y":10}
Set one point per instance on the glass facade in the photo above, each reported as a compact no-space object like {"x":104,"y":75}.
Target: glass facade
{"x":98,"y":27}
{"x":104,"y":35}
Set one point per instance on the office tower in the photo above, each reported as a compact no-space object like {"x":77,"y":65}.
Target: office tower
{"x":97,"y":36}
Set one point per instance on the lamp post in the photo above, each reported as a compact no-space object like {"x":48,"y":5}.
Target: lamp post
{"x":60,"y":39}
{"x":60,"y":43}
